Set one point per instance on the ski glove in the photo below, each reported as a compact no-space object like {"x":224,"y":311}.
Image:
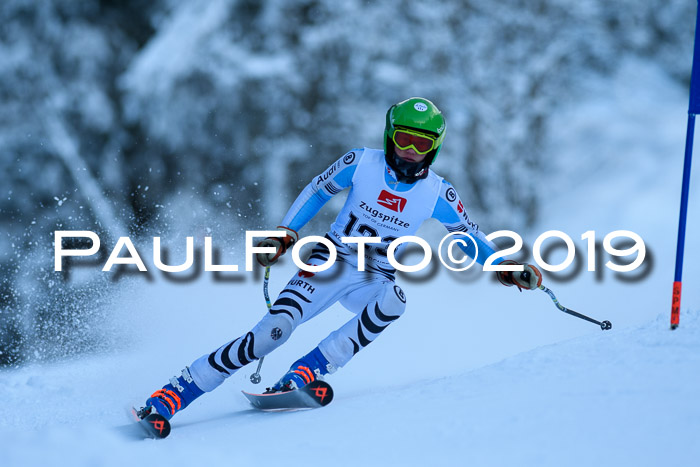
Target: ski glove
{"x":529,"y":278}
{"x":281,"y":244}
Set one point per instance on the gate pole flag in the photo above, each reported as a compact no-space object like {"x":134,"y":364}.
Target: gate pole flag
{"x":693,"y":109}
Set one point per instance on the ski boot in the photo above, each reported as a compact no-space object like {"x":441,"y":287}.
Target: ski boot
{"x":174,"y":396}
{"x":308,"y":368}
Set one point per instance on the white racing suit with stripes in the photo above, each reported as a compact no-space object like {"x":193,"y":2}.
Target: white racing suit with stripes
{"x":377,"y":206}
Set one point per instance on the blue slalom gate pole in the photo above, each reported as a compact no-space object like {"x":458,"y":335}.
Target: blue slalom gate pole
{"x":693,"y":109}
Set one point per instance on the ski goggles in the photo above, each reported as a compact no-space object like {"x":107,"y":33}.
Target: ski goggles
{"x":420,"y":142}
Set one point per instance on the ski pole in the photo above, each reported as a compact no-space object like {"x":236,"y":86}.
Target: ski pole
{"x":604,"y":325}
{"x":255,"y":377}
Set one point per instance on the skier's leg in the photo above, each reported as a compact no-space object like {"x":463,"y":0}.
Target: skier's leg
{"x":304,"y":297}
{"x":384,"y":303}
{"x":212,"y":369}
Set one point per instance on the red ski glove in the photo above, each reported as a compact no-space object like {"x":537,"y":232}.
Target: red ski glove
{"x":281,"y":244}
{"x":529,"y":278}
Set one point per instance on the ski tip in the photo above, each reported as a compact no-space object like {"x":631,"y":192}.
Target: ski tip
{"x":320,"y":391}
{"x":155,"y":425}
{"x":313,"y":395}
{"x":159,"y":424}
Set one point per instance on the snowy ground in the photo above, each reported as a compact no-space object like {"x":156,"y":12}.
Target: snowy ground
{"x":473,"y":374}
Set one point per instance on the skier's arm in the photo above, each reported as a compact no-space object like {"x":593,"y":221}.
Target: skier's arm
{"x":321,"y":189}
{"x":450,"y":211}
{"x":312,"y":198}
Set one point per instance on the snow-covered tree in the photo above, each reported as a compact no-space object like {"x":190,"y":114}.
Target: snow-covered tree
{"x":143,"y":117}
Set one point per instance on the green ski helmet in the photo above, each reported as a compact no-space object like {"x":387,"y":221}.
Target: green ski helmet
{"x":418,"y":115}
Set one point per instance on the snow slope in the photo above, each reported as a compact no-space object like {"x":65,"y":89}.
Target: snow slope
{"x":621,"y":398}
{"x":473,"y":374}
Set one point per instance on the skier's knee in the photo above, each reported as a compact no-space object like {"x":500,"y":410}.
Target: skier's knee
{"x":271,"y":332}
{"x":393,"y":302}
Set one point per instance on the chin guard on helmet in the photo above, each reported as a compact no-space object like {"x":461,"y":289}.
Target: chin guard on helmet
{"x":418,"y":116}
{"x":406,"y":171}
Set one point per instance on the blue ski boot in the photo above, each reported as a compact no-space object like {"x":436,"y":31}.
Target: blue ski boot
{"x":174,"y":396}
{"x":310,"y":367}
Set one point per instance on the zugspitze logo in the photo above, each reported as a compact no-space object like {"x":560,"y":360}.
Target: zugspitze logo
{"x":420,"y":107}
{"x":393,"y":202}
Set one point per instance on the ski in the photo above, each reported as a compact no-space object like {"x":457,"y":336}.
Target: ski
{"x":153,"y":424}
{"x":311,"y":396}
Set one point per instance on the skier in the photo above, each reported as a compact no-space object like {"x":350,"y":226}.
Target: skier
{"x":391,"y":193}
